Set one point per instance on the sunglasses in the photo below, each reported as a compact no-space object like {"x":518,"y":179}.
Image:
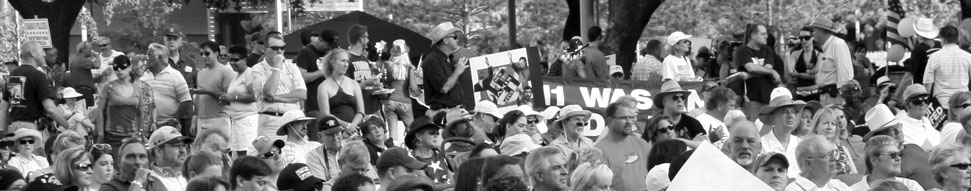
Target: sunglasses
{"x":119,"y":67}
{"x":101,"y":147}
{"x":205,"y":54}
{"x":532,"y":121}
{"x":894,"y":155}
{"x":677,"y":97}
{"x":961,"y":166}
{"x":103,"y":45}
{"x":270,"y":155}
{"x":919,"y":100}
{"x":83,"y":167}
{"x":805,"y":37}
{"x":582,"y":124}
{"x":277,"y":48}
{"x":965,"y":105}
{"x":26,"y":142}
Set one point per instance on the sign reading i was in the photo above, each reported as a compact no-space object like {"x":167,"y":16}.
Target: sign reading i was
{"x":38,"y":30}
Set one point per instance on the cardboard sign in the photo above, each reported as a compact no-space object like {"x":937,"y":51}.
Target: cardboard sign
{"x":38,"y":30}
{"x":718,"y":172}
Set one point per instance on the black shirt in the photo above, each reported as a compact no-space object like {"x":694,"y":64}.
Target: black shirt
{"x":376,"y":151}
{"x":757,"y":88}
{"x":918,"y":61}
{"x":437,"y":68}
{"x":26,"y":89}
{"x":688,"y":127}
{"x":802,"y":67}
{"x":307,"y":60}
{"x":359,"y":70}
{"x":252,"y":59}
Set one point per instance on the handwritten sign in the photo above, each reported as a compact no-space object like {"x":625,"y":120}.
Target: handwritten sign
{"x":38,"y":30}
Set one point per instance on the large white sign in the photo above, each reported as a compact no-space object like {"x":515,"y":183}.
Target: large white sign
{"x":334,"y":5}
{"x":38,"y":30}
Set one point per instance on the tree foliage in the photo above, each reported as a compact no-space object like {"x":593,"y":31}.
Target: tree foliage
{"x":143,"y":22}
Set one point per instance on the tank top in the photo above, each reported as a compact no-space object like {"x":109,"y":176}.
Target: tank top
{"x":343,"y":105}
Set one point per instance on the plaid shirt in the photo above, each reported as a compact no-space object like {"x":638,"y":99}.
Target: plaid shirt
{"x":648,"y":68}
{"x":949,"y":69}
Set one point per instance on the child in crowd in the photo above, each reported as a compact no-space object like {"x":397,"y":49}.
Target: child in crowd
{"x":75,"y":112}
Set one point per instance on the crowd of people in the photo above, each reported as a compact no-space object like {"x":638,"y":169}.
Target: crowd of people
{"x":245,"y":118}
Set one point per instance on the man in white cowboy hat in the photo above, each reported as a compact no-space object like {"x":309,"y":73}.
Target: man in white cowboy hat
{"x":949,"y":69}
{"x":755,"y":59}
{"x":781,"y":117}
{"x":672,"y":101}
{"x":926,"y":33}
{"x":441,"y":77}
{"x":572,"y":121}
{"x":295,"y":129}
{"x":834,"y":65}
{"x":677,"y":65}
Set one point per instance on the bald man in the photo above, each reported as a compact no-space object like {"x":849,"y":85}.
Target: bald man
{"x":744,"y":144}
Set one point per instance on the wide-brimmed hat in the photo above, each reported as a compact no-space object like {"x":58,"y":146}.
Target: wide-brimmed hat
{"x":781,"y":98}
{"x":441,"y":31}
{"x":487,"y":107}
{"x":550,"y":112}
{"x":924,"y":27}
{"x":528,"y":110}
{"x":292,"y":116}
{"x":675,"y":37}
{"x":879,"y":118}
{"x":166,"y":135}
{"x":668,"y":87}
{"x":569,"y":111}
{"x":416,"y":127}
{"x":25,"y":132}
{"x":69,"y":92}
{"x":824,"y":24}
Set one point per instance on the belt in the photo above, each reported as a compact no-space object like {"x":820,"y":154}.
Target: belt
{"x":271,"y":113}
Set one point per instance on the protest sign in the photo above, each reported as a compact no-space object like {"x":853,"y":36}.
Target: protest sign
{"x":718,"y":172}
{"x":38,"y":30}
{"x":504,"y":78}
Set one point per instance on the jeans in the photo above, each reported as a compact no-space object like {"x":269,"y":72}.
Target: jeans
{"x":395,"y":111}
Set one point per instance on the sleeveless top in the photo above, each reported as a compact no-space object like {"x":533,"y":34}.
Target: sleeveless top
{"x":343,"y":105}
{"x":802,"y":67}
{"x":128,"y":120}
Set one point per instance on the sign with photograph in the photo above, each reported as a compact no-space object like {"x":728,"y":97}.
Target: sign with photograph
{"x":503,"y":78}
{"x":38,"y":30}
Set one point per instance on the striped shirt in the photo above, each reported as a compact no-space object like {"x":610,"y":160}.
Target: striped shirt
{"x":949,"y":69}
{"x":290,"y":80}
{"x":170,"y":90}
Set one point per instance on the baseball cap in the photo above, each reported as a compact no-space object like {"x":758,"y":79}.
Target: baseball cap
{"x":166,"y":135}
{"x":263,"y":144}
{"x":397,"y":156}
{"x":915,"y":89}
{"x":173,"y":32}
{"x":297,"y":176}
{"x":328,"y":125}
{"x":764,"y":159}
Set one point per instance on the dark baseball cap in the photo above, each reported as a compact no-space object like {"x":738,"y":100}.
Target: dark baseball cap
{"x":328,"y":125}
{"x":173,"y":32}
{"x":329,"y":36}
{"x":397,"y":156}
{"x":297,"y":176}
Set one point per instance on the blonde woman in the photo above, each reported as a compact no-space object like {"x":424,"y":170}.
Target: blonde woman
{"x":592,"y":177}
{"x":344,"y":98}
{"x":827,"y":123}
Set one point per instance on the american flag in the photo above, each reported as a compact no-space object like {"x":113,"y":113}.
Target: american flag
{"x":896,"y":13}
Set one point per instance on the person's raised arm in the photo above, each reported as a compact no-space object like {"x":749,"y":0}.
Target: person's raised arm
{"x":273,"y":80}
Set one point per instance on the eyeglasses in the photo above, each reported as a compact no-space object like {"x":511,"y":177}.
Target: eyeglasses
{"x":831,"y":156}
{"x":277,"y":48}
{"x":205,"y":53}
{"x":84,"y":166}
{"x":119,"y":67}
{"x":961,"y":166}
{"x":893,"y":155}
{"x":805,"y":37}
{"x":919,"y":100}
{"x":27,"y":142}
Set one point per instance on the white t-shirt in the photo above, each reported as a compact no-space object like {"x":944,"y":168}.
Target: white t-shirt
{"x":919,"y":132}
{"x":772,"y":144}
{"x":677,"y":68}
{"x":863,"y":185}
{"x":713,"y":126}
{"x":297,"y":153}
{"x":106,"y":66}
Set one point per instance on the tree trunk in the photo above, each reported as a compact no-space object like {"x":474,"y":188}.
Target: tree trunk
{"x":629,"y":18}
{"x":60,"y":15}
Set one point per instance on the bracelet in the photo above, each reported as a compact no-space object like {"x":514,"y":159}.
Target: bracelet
{"x":137,"y":183}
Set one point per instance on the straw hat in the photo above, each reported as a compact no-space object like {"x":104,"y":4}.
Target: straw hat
{"x":669,"y":87}
{"x":924,"y":27}
{"x":441,"y":31}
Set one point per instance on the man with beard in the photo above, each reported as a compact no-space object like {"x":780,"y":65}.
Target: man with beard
{"x":546,"y":168}
{"x":744,"y":144}
{"x":781,"y":117}
{"x":168,"y":151}
{"x":623,"y":151}
{"x":133,"y":160}
{"x":817,"y":160}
